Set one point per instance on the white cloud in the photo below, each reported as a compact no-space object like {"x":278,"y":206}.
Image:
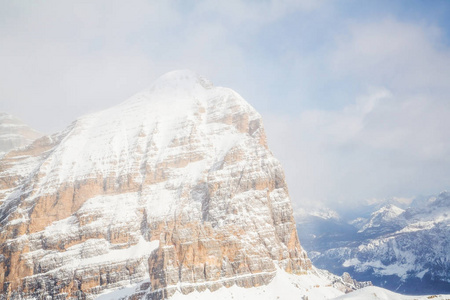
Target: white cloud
{"x":371,"y":148}
{"x":253,"y":13}
{"x":408,"y":57}
{"x":393,"y":140}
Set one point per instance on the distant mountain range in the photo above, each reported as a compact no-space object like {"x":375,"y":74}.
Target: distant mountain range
{"x":404,"y":250}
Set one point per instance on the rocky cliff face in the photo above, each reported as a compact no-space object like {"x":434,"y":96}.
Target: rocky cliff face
{"x":176,"y":184}
{"x":14,"y":133}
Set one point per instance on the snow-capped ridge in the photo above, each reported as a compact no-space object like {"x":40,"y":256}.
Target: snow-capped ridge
{"x":181,"y":79}
{"x":442,"y":200}
{"x":14,"y":133}
{"x":382,"y":216}
{"x":405,"y":250}
{"x":178,"y":87}
{"x":178,"y":101}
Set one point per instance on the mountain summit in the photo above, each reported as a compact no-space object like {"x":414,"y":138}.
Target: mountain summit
{"x":174,"y":189}
{"x":14,"y":133}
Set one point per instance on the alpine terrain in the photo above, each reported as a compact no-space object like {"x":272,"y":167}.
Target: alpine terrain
{"x":402,"y":249}
{"x":171,"y":194}
{"x":172,"y":191}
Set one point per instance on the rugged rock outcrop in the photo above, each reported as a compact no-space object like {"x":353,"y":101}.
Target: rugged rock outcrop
{"x":176,"y":184}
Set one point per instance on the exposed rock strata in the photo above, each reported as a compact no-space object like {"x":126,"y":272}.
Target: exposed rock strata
{"x":176,"y":183}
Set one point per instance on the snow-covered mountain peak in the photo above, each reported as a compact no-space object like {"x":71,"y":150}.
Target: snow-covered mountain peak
{"x":182,"y":85}
{"x":10,"y":121}
{"x":389,"y":211}
{"x":175,"y":186}
{"x":179,"y":94}
{"x":14,"y":133}
{"x":181,"y":79}
{"x":178,"y":104}
{"x":442,"y":200}
{"x":382,"y":217}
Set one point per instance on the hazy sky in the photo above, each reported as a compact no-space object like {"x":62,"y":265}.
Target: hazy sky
{"x":354,"y":94}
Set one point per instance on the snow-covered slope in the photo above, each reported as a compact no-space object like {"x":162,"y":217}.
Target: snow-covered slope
{"x":316,"y":284}
{"x":14,"y":133}
{"x":376,"y":293}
